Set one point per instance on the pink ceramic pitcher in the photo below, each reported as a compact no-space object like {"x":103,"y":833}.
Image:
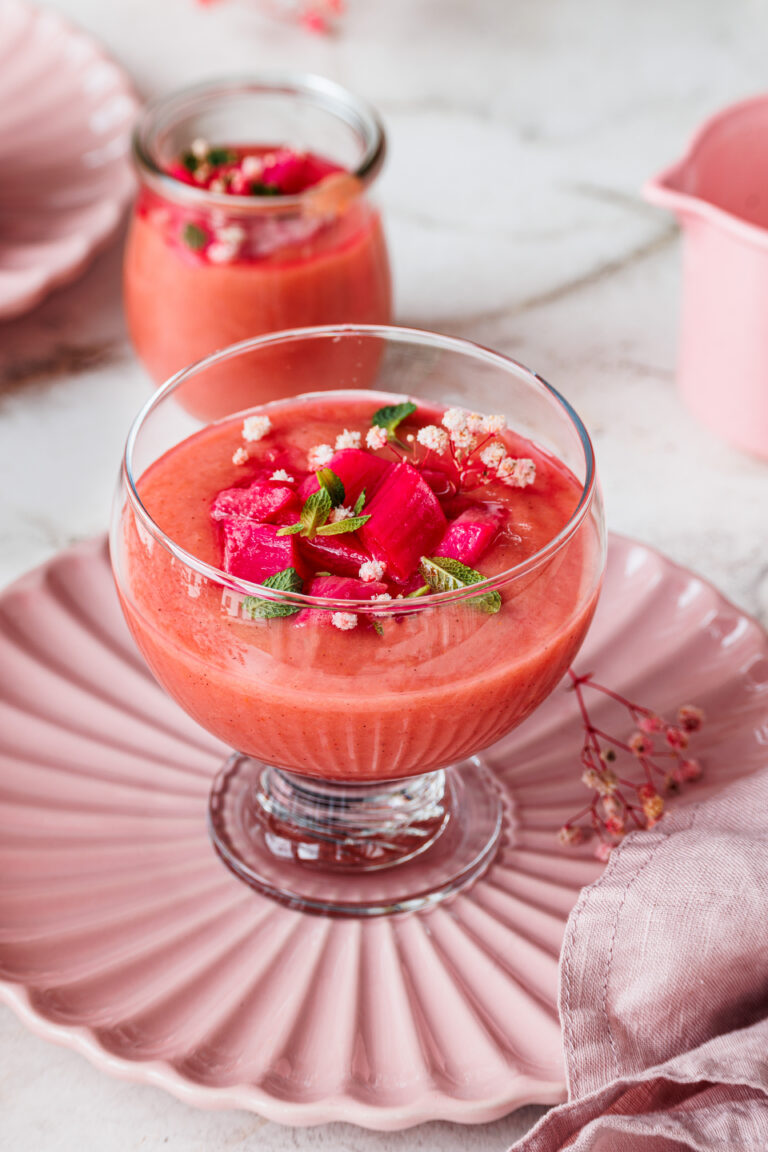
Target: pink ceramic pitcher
{"x":719,"y":191}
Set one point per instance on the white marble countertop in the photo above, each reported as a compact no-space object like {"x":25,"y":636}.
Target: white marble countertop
{"x":520,"y":134}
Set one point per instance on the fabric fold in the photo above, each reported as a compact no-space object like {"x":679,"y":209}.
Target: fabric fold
{"x":664,"y":989}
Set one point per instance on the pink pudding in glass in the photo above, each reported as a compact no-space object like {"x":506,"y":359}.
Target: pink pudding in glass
{"x":240,"y":241}
{"x":384,"y":505}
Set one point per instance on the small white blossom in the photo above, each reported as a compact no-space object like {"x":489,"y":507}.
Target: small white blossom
{"x":475,"y":423}
{"x":463,"y":439}
{"x":231,"y":234}
{"x":493,"y":454}
{"x":455,"y":419}
{"x":382,"y":597}
{"x":372,"y":570}
{"x":199,"y":148}
{"x":281,"y":474}
{"x":202,"y":173}
{"x":256,"y":427}
{"x":494,"y":424}
{"x":517,"y":473}
{"x":221,"y":253}
{"x":251,"y":167}
{"x":340,"y":513}
{"x":376,"y":438}
{"x":346,"y":621}
{"x":319,"y":456}
{"x":434,"y":438}
{"x":240,"y":456}
{"x":348,"y":439}
{"x":217,"y":186}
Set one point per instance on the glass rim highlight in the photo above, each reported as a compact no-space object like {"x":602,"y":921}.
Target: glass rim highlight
{"x":327,"y":94}
{"x":380,"y":608}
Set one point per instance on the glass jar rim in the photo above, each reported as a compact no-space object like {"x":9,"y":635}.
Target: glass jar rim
{"x":378,"y":608}
{"x":325,"y":93}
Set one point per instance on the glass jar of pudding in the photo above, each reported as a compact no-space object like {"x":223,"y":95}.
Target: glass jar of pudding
{"x":253,"y":215}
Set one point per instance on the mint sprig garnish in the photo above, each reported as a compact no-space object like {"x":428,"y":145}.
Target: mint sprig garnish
{"x":351,"y":524}
{"x":313,"y":519}
{"x":194,"y":237}
{"x":255,"y":608}
{"x":444,"y":574}
{"x":328,"y":479}
{"x":217,"y":156}
{"x":390,"y":416}
{"x":359,"y":504}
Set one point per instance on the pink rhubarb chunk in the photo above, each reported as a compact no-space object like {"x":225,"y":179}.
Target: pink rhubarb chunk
{"x":342,"y":555}
{"x":261,"y":502}
{"x":356,"y":469}
{"x":336,"y":588}
{"x":255,"y":551}
{"x":470,"y":535}
{"x":406,"y":521}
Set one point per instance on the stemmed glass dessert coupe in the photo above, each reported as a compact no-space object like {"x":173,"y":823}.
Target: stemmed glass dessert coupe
{"x":356,"y":785}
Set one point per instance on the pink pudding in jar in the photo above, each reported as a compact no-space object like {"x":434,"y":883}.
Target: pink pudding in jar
{"x":370,"y":514}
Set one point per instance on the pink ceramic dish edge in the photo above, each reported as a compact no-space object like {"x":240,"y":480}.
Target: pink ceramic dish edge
{"x":727,"y":623}
{"x":22,"y":289}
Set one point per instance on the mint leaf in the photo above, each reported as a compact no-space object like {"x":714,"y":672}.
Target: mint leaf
{"x":218,"y":156}
{"x":444,"y":574}
{"x":359,"y":503}
{"x":351,"y":524}
{"x":194,"y":237}
{"x":289,"y":529}
{"x":390,"y":416}
{"x":189,"y":161}
{"x":255,"y":608}
{"x":316,"y":510}
{"x":260,"y":189}
{"x":328,"y":479}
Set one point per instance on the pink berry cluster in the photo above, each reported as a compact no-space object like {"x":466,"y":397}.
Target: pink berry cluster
{"x":620,"y":803}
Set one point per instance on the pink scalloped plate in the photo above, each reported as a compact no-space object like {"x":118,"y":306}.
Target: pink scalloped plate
{"x":124,"y":936}
{"x":66,"y":112}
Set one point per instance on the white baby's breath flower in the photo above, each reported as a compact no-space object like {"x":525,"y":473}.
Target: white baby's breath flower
{"x":455,"y":419}
{"x":221,"y":253}
{"x":281,"y":474}
{"x":517,"y":473}
{"x":217,"y":186}
{"x":256,"y":427}
{"x":493,"y":454}
{"x":494,"y":424}
{"x":347,"y":439}
{"x":382,"y":597}
{"x":231,"y":234}
{"x":475,"y":423}
{"x":345,"y":621}
{"x":376,"y":438}
{"x":319,"y":456}
{"x":251,"y":167}
{"x":340,"y":513}
{"x":202,"y":173}
{"x":372,"y":570}
{"x":240,"y":456}
{"x":199,"y":148}
{"x":463,"y":439}
{"x":434,"y":438}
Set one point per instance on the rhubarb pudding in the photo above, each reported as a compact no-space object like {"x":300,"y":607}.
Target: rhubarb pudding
{"x":358,"y":586}
{"x":230,"y":240}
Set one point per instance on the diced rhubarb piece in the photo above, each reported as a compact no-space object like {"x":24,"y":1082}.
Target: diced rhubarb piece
{"x":470,"y":534}
{"x":255,"y":551}
{"x":342,"y":555}
{"x":440,"y":482}
{"x":261,"y":502}
{"x":336,"y":588}
{"x":292,"y":172}
{"x":406,"y":521}
{"x":356,"y":469}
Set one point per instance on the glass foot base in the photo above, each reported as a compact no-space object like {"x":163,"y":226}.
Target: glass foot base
{"x":360,"y":849}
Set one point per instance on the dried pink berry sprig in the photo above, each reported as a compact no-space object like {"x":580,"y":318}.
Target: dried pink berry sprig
{"x":621,"y":803}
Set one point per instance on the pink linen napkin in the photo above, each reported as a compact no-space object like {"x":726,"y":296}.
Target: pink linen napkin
{"x":664,"y":989}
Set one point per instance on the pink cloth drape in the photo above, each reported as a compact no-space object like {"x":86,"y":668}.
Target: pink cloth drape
{"x":664,"y":989}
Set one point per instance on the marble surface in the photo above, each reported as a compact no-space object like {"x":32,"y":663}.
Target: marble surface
{"x":520,"y":134}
